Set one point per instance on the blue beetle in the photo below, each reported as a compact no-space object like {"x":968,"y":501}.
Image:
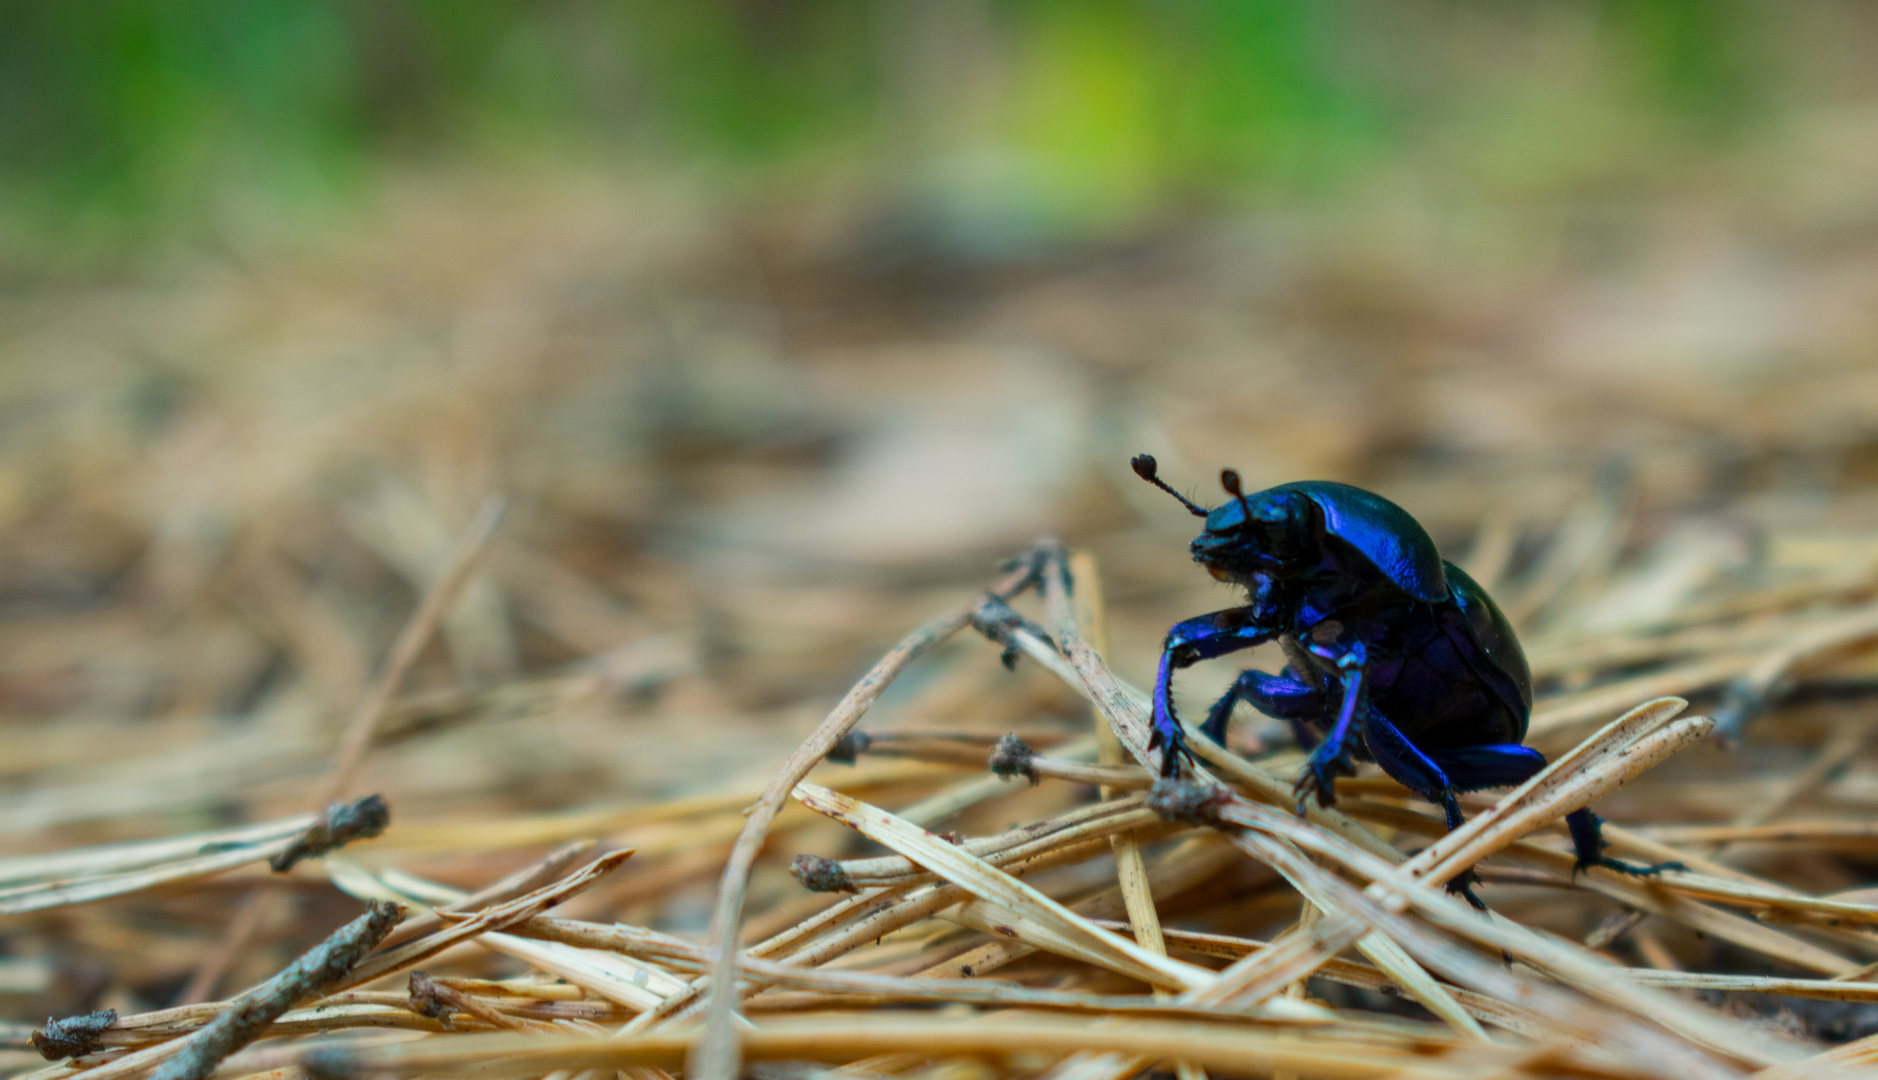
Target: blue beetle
{"x":1393,"y":653}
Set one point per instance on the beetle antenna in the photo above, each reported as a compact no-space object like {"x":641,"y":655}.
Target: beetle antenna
{"x":1229,"y":479}
{"x":1146,"y":468}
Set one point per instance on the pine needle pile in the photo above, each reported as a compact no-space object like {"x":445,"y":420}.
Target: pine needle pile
{"x":472,"y":652}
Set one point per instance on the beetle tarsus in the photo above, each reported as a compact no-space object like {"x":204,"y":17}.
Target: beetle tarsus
{"x":1588,"y":838}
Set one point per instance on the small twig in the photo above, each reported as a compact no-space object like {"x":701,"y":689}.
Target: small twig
{"x":1242,"y":1049}
{"x":998,"y":888}
{"x":1116,"y":777}
{"x":1180,"y":870}
{"x":59,"y":892}
{"x":1571,"y":964}
{"x":1657,"y":896}
{"x":1080,"y":842}
{"x":341,"y":824}
{"x":494,"y":917}
{"x":529,"y":877}
{"x":636,"y":941}
{"x":1012,"y":757}
{"x":439,"y":1000}
{"x":817,"y":874}
{"x":1614,"y":927}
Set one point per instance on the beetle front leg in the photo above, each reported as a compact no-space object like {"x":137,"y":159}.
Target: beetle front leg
{"x":1188,"y":643}
{"x":1332,"y":756}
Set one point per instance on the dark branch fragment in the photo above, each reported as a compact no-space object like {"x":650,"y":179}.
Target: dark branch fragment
{"x":997,"y":620}
{"x":426,"y":999}
{"x":1188,"y":802}
{"x":360,"y":819}
{"x":73,"y":1036}
{"x":817,"y":874}
{"x":1013,"y":757}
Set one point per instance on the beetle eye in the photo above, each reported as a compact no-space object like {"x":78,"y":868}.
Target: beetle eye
{"x":1287,"y":524}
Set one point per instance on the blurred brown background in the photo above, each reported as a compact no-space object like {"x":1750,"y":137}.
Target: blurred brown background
{"x":779,"y":325}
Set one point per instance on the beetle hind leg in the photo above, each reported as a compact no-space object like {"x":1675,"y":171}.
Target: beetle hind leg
{"x":1409,"y":767}
{"x":1507,"y":764}
{"x":1175,"y":750}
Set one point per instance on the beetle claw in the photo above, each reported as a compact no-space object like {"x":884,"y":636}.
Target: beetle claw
{"x":1174,"y":752}
{"x":1319,"y":779}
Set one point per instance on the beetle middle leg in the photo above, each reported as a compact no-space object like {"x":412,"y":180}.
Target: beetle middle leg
{"x":1279,"y":696}
{"x":1332,"y":756}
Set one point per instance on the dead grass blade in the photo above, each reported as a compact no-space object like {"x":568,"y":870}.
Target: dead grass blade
{"x":495,"y":917}
{"x":1022,"y":902}
{"x":120,"y":858}
{"x":840,"y":1039}
{"x":61,"y":893}
{"x":718,"y":1051}
{"x":1574,"y":966}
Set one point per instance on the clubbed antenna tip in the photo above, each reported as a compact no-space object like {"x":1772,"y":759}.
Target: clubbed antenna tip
{"x":1148,"y":469}
{"x":1229,"y":479}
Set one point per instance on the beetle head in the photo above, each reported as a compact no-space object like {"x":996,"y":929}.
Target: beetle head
{"x":1274,"y":533}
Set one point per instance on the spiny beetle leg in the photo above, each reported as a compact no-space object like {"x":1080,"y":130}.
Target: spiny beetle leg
{"x":1333,"y":755}
{"x":1274,"y":695}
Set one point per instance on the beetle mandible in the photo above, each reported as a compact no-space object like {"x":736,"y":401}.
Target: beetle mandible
{"x":1393,"y":653}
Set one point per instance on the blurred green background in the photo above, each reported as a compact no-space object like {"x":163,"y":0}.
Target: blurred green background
{"x":992,"y":126}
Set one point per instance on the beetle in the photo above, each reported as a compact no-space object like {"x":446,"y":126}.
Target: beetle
{"x":1394,"y":654}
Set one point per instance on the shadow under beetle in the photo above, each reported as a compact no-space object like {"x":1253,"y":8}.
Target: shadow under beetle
{"x":1394,"y":654}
